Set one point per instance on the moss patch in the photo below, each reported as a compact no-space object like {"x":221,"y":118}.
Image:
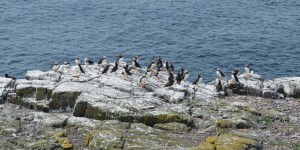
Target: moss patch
{"x":204,"y":146}
{"x":211,"y":139}
{"x":151,"y":120}
{"x":224,"y":123}
{"x":228,"y":141}
{"x":26,"y":92}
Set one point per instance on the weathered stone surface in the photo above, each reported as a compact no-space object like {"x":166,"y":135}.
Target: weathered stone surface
{"x":34,"y":94}
{"x":40,"y":75}
{"x":65,"y":94}
{"x":5,"y":85}
{"x":173,"y":126}
{"x":154,"y":139}
{"x":251,"y":86}
{"x":289,"y":86}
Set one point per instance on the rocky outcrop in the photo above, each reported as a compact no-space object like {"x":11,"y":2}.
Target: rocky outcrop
{"x":111,"y":111}
{"x":40,"y":75}
{"x":278,"y":88}
{"x":5,"y":85}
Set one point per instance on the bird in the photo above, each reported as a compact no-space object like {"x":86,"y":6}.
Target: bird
{"x":248,"y":70}
{"x":77,"y":62}
{"x":170,"y":80}
{"x":66,"y":64}
{"x":220,"y":74}
{"x":151,"y":66}
{"x":234,"y":75}
{"x":105,"y":69}
{"x":219,"y":85}
{"x":186,"y":74}
{"x":55,"y":66}
{"x":7,"y":76}
{"x":120,"y":59}
{"x":179,"y":76}
{"x":171,"y":68}
{"x":166,"y":65}
{"x":88,"y":62}
{"x":159,"y":73}
{"x":198,"y":80}
{"x":102,"y":61}
{"x":115,"y":68}
{"x":127,"y":70}
{"x":143,"y":79}
{"x":159,"y":63}
{"x":148,"y":73}
{"x":135,"y":62}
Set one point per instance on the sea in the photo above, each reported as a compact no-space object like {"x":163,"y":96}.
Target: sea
{"x":199,"y":35}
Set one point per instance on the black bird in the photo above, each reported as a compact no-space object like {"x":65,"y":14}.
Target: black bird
{"x":171,"y":68}
{"x":186,"y":74}
{"x":82,"y":71}
{"x":101,"y":60}
{"x":158,"y":73}
{"x":88,"y":62}
{"x":105,"y":69}
{"x":115,"y":67}
{"x":127,"y":69}
{"x":159,"y":63}
{"x":121,"y":58}
{"x":235,"y":73}
{"x":166,"y":65}
{"x":198,"y":80}
{"x":7,"y":76}
{"x":143,"y":78}
{"x":179,"y":76}
{"x":170,"y":80}
{"x":220,"y":73}
{"x":219,"y":86}
{"x":136,"y":63}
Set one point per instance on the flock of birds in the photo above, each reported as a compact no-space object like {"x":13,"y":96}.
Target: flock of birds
{"x":155,"y":68}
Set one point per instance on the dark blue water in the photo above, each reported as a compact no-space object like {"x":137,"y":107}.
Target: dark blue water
{"x":197,"y":34}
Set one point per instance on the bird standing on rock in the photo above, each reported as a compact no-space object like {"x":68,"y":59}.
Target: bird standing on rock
{"x":166,"y":66}
{"x":120,"y":59}
{"x":7,"y":76}
{"x":171,"y":68}
{"x":55,"y":66}
{"x":135,"y":62}
{"x":115,"y":68}
{"x":170,"y":80}
{"x":247,"y":71}
{"x":234,"y":79}
{"x":77,"y":62}
{"x":186,"y":74}
{"x":220,"y":74}
{"x":126,"y":70}
{"x":105,"y":69}
{"x":88,"y":62}
{"x":219,"y":86}
{"x":198,"y":80}
{"x":159,"y":63}
{"x":179,"y":76}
